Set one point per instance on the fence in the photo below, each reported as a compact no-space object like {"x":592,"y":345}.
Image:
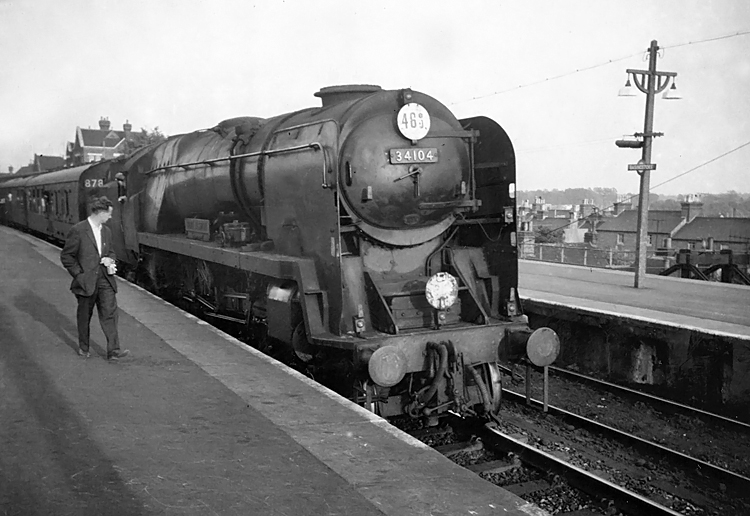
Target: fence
{"x":656,"y":263}
{"x":575,"y":255}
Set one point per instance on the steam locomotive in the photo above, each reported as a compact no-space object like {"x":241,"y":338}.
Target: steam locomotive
{"x":370,"y":242}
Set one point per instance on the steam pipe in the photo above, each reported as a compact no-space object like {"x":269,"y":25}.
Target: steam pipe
{"x":443,"y":350}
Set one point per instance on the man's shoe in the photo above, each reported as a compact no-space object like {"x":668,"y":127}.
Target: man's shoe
{"x":84,"y":354}
{"x":117,"y":354}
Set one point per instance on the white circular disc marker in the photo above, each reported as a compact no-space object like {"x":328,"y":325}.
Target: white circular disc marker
{"x":413,"y":121}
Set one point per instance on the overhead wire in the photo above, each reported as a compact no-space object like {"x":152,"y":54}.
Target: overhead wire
{"x":540,"y":81}
{"x":587,"y":68}
{"x":665,"y":182}
{"x":701,"y":165}
{"x":726,"y":36}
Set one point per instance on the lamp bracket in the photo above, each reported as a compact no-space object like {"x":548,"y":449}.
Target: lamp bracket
{"x":641,"y":81}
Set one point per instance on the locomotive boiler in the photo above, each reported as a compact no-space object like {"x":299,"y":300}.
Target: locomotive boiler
{"x":370,"y":241}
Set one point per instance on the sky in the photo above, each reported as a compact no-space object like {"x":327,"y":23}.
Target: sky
{"x":548,"y":71}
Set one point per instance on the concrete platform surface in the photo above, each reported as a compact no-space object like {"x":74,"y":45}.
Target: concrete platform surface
{"x":192,"y":423}
{"x":713,"y":308}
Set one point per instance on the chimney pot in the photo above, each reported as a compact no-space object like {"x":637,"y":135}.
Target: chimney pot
{"x":104,"y":124}
{"x":127,"y":126}
{"x":691,"y":207}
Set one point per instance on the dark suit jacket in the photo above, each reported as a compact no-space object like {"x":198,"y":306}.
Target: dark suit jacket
{"x":81,"y":258}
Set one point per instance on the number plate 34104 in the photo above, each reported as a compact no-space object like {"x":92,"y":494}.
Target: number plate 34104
{"x":416,"y":155}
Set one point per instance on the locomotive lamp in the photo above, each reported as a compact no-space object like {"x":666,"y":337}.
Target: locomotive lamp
{"x":441,"y":291}
{"x":649,"y":82}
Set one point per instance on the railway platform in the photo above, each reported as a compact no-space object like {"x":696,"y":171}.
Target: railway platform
{"x":192,"y":422}
{"x":710,"y":307}
{"x":687,"y":339}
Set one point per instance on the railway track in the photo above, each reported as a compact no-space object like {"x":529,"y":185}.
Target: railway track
{"x":691,"y":460}
{"x":712,"y":438}
{"x":717,"y":477}
{"x":554,"y":484}
{"x":616,"y":498}
{"x":567,"y":463}
{"x":664,"y":405}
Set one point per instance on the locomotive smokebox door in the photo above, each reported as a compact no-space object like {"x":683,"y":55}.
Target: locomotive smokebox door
{"x":400,"y":171}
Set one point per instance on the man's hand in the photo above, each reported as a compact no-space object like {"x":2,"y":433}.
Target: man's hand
{"x":110,"y":264}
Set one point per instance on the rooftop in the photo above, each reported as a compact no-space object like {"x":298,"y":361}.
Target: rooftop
{"x":722,"y":229}
{"x":627,"y":221}
{"x":101,"y":138}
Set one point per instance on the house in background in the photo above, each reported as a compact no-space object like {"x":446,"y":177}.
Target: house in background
{"x":714,"y":234}
{"x":98,"y":144}
{"x":684,"y":229}
{"x":46,"y":163}
{"x":620,"y":231}
{"x":25,"y":171}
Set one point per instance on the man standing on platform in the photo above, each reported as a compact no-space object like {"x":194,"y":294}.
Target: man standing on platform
{"x":89,"y":258}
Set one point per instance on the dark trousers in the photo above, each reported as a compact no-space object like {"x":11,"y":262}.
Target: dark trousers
{"x":106,"y":304}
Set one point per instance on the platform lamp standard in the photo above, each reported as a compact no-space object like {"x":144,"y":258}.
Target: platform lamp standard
{"x":649,"y":82}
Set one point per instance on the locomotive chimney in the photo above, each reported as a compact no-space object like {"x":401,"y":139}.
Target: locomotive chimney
{"x":104,"y":124}
{"x":334,"y":94}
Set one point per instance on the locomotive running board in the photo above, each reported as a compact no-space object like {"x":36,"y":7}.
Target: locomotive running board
{"x":313,"y":299}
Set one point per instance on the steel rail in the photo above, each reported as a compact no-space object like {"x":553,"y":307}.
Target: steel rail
{"x":664,"y":405}
{"x":625,"y":500}
{"x":706,"y":470}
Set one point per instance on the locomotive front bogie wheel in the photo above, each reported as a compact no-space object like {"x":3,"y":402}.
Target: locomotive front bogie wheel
{"x":495,"y":386}
{"x":489,"y":383}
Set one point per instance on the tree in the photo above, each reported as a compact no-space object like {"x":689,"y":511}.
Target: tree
{"x":143,"y":139}
{"x":543,"y":235}
{"x":149,"y":137}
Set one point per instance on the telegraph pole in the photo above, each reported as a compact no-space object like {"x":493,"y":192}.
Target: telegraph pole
{"x":649,"y":82}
